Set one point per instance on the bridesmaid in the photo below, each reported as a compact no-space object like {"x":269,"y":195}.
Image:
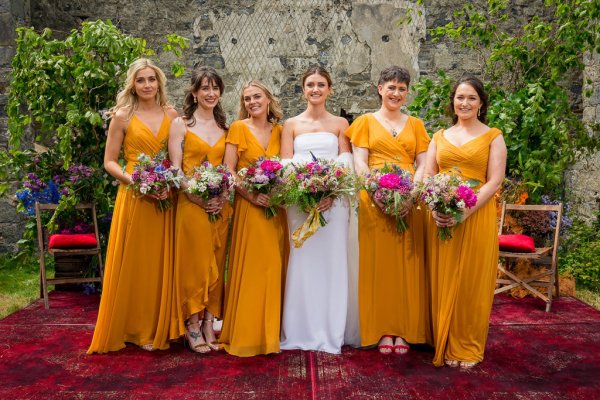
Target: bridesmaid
{"x":463,"y":269}
{"x":253,"y":307}
{"x":392,"y":289}
{"x":136,"y":295}
{"x":197,"y":136}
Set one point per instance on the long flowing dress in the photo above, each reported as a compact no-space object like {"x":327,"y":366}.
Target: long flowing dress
{"x":463,"y":269}
{"x":392,"y":294}
{"x":220,"y":229}
{"x":253,"y":308}
{"x":137,"y":290}
{"x":196,"y":268}
{"x":316,"y":291}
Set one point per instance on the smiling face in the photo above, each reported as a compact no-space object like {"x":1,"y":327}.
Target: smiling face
{"x":146,"y":84}
{"x":208,"y":94}
{"x":256,"y":101}
{"x":316,"y":89}
{"x":393,"y":94}
{"x":466,"y":102}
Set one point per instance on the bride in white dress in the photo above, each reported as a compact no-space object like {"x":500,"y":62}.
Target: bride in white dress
{"x":320,"y":298}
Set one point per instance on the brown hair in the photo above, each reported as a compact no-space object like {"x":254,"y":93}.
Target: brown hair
{"x":318,"y":70}
{"x":275,"y":113}
{"x":189,"y":106}
{"x":476,"y":84}
{"x":394,"y":73}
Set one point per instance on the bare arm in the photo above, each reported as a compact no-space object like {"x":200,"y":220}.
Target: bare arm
{"x":114,"y":141}
{"x":343,"y":140}
{"x":361,"y":160}
{"x":421,"y":160}
{"x":176,"y":140}
{"x":431,"y":166}
{"x":287,"y":139}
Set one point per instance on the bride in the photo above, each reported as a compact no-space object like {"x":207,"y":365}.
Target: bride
{"x":319,"y":310}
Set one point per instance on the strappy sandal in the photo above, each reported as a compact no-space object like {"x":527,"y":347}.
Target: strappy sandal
{"x":466,"y":365}
{"x":401,"y":349}
{"x":192,"y":338}
{"x":387,"y":348}
{"x":452,"y":363}
{"x":213,"y":344}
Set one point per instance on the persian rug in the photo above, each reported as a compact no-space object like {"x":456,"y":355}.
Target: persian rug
{"x":530,"y":354}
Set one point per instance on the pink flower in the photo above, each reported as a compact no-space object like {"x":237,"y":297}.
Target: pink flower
{"x":467,"y":195}
{"x":389,"y":181}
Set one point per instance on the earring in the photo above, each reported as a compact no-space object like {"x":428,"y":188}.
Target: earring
{"x":268,"y":109}
{"x":195,"y":100}
{"x":479,"y":112}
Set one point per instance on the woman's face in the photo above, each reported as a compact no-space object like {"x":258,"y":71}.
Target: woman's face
{"x":393,"y":94}
{"x":256,"y":101}
{"x":146,"y":84}
{"x":316,"y":89}
{"x":466,"y":102}
{"x":208,"y":94}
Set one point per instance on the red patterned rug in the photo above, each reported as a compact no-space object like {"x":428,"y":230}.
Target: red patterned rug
{"x":530,"y":354}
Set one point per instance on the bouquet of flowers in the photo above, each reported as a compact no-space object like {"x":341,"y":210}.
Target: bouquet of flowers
{"x":264,"y":176}
{"x":153,"y":174}
{"x":208,"y":182}
{"x":393,"y":187}
{"x":449,"y":194}
{"x":306,"y":184}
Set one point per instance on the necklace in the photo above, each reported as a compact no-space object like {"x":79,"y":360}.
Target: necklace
{"x":392,"y":128}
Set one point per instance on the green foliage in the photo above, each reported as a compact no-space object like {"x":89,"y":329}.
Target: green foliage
{"x":60,"y":90}
{"x":526,"y":71}
{"x":580,"y":254}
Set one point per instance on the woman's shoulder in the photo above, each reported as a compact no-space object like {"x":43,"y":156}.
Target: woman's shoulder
{"x":171,"y":113}
{"x":238,"y":125}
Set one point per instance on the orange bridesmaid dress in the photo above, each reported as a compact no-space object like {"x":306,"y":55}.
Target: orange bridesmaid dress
{"x":196,"y":264}
{"x":136,"y":293}
{"x":463,"y":269}
{"x":392,"y":291}
{"x":253,"y":307}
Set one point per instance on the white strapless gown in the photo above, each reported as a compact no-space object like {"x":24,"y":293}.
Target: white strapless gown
{"x":318,"y":304}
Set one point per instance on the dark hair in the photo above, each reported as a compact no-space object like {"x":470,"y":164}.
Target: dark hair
{"x":318,"y":70}
{"x":394,"y":73}
{"x":189,"y":106}
{"x":476,"y":84}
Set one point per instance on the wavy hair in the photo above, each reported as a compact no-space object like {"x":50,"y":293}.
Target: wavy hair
{"x":189,"y":106}
{"x":318,"y":70}
{"x":128,"y":99}
{"x":274,"y":114}
{"x":476,"y":84}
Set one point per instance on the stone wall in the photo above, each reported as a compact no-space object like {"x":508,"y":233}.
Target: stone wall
{"x":275,"y":41}
{"x":12,"y":14}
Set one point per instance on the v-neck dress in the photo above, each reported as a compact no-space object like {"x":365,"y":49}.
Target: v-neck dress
{"x":137,"y":288}
{"x":392,"y":290}
{"x":196,"y":269}
{"x":253,"y":307}
{"x":463,"y":269}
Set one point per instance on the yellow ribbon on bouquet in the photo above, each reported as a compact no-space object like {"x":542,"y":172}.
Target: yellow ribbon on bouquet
{"x":308,"y":227}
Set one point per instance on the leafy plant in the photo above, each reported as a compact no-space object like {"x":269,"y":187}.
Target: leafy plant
{"x":526,"y":71}
{"x":60,"y":90}
{"x":580,"y":254}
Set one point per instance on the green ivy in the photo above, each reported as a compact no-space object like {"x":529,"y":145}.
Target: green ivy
{"x":60,"y":90}
{"x":526,"y":71}
{"x":580,"y":254}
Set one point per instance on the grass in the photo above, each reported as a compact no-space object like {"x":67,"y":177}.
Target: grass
{"x":590,"y":297}
{"x":19,"y":282}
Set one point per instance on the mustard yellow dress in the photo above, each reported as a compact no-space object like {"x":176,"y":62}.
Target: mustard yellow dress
{"x":463,"y":269}
{"x":196,"y":268}
{"x":220,"y":231}
{"x":392,"y":290}
{"x":253,"y":307}
{"x":137,"y":290}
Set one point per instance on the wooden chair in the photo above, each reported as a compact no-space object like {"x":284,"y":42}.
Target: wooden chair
{"x":43,"y":249}
{"x":541,"y":256}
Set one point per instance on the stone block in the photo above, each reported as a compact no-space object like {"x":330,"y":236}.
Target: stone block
{"x":7,"y":33}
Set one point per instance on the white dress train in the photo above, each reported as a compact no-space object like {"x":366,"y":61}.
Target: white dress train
{"x":316,"y":304}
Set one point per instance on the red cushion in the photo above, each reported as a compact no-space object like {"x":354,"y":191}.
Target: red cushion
{"x":516,"y":243}
{"x":60,"y":241}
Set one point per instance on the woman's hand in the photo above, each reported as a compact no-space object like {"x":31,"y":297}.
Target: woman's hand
{"x":405,"y":208}
{"x":443,"y":220}
{"x":160,"y":195}
{"x":325,"y":204}
{"x":260,"y":199}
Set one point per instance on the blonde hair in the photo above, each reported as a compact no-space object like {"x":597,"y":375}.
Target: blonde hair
{"x":274,"y":114}
{"x":127,"y":98}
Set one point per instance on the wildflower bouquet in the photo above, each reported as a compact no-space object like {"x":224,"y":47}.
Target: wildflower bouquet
{"x":393,"y":187}
{"x":264,"y":176}
{"x":154,"y":174}
{"x":306,"y":184}
{"x":208,"y":182}
{"x":449,"y":194}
